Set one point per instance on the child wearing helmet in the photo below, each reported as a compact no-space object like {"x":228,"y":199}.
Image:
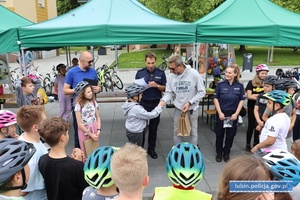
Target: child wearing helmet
{"x":286,"y":167}
{"x":26,"y":91}
{"x":14,"y":170}
{"x":87,"y":114}
{"x":287,"y":85}
{"x":63,"y":175}
{"x":64,"y":100}
{"x":185,"y":169}
{"x":8,"y":120}
{"x":98,"y":165}
{"x":253,"y":89}
{"x":273,"y":133}
{"x":136,"y":115}
{"x":261,"y":102}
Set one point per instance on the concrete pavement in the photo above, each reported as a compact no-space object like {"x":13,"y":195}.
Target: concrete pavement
{"x":113,"y":131}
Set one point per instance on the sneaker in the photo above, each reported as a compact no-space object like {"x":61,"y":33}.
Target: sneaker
{"x":248,"y":147}
{"x":219,"y":158}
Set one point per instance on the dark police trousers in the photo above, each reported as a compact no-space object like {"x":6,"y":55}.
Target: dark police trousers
{"x":153,"y":123}
{"x":221,"y":132}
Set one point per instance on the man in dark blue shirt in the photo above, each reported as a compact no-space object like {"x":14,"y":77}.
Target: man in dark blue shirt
{"x":156,"y":79}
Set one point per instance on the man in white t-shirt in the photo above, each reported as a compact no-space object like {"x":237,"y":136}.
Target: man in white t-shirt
{"x":276,"y":127}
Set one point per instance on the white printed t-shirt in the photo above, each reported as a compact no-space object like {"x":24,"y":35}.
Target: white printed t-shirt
{"x":276,"y":126}
{"x":88,"y":112}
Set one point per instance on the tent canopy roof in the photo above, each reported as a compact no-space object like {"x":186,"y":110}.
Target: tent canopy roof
{"x":8,"y":29}
{"x":251,"y":22}
{"x":107,"y":22}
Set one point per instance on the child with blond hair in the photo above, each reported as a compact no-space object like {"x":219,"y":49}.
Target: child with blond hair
{"x":129,"y":170}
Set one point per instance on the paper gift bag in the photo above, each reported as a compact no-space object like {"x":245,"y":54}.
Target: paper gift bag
{"x":89,"y":146}
{"x":184,"y":125}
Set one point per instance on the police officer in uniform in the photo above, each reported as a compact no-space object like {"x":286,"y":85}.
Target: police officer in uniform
{"x":156,"y":79}
{"x":229,"y":98}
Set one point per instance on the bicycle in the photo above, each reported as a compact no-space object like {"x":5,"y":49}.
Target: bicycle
{"x":116,"y":80}
{"x":13,"y":75}
{"x":48,"y":82}
{"x":104,"y":78}
{"x":163,"y":66}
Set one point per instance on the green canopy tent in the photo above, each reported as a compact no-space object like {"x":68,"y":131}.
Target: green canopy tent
{"x":250,"y":22}
{"x":107,"y":22}
{"x":8,"y":30}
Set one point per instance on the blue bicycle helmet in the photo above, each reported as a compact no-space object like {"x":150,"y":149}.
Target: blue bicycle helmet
{"x":134,"y":90}
{"x":14,"y":155}
{"x":283,"y":165}
{"x":271,"y":80}
{"x":96,"y":169}
{"x":279,"y":96}
{"x":185,"y":165}
{"x":80,"y":86}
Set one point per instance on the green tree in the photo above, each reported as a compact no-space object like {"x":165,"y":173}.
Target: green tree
{"x":64,"y":6}
{"x":184,"y":11}
{"x":292,"y":5}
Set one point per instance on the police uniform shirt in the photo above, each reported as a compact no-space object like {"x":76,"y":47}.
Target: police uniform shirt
{"x":158,"y":76}
{"x":228,"y":95}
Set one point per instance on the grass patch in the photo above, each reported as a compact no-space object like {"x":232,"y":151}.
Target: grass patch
{"x":281,"y":57}
{"x":135,"y":59}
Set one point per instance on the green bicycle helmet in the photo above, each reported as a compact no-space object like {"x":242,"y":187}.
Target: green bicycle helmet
{"x":279,"y":96}
{"x":271,"y":80}
{"x":96,"y":169}
{"x":185,"y":165}
{"x":134,"y":90}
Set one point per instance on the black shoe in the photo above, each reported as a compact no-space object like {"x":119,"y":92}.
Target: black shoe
{"x":226,"y":157}
{"x":248,"y":147}
{"x":219,"y":158}
{"x":152,"y":153}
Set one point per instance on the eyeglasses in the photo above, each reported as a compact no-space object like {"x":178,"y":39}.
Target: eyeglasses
{"x":89,"y":61}
{"x":170,"y":68}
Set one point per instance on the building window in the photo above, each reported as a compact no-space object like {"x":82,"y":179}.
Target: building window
{"x":41,"y":3}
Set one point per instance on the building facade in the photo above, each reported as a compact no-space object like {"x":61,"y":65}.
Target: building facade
{"x":33,"y":10}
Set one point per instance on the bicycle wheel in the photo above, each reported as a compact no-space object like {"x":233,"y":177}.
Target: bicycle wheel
{"x":118,"y":82}
{"x":47,"y":85}
{"x":108,"y":83}
{"x":163,"y":66}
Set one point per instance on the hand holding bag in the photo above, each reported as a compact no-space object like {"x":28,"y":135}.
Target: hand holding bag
{"x":89,"y":146}
{"x":184,"y":125}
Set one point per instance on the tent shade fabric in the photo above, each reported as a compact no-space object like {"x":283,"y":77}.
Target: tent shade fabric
{"x":8,"y":30}
{"x":250,"y":22}
{"x":107,"y":22}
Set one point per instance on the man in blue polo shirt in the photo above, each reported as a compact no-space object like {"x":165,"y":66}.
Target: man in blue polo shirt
{"x":156,"y":79}
{"x":73,"y":77}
